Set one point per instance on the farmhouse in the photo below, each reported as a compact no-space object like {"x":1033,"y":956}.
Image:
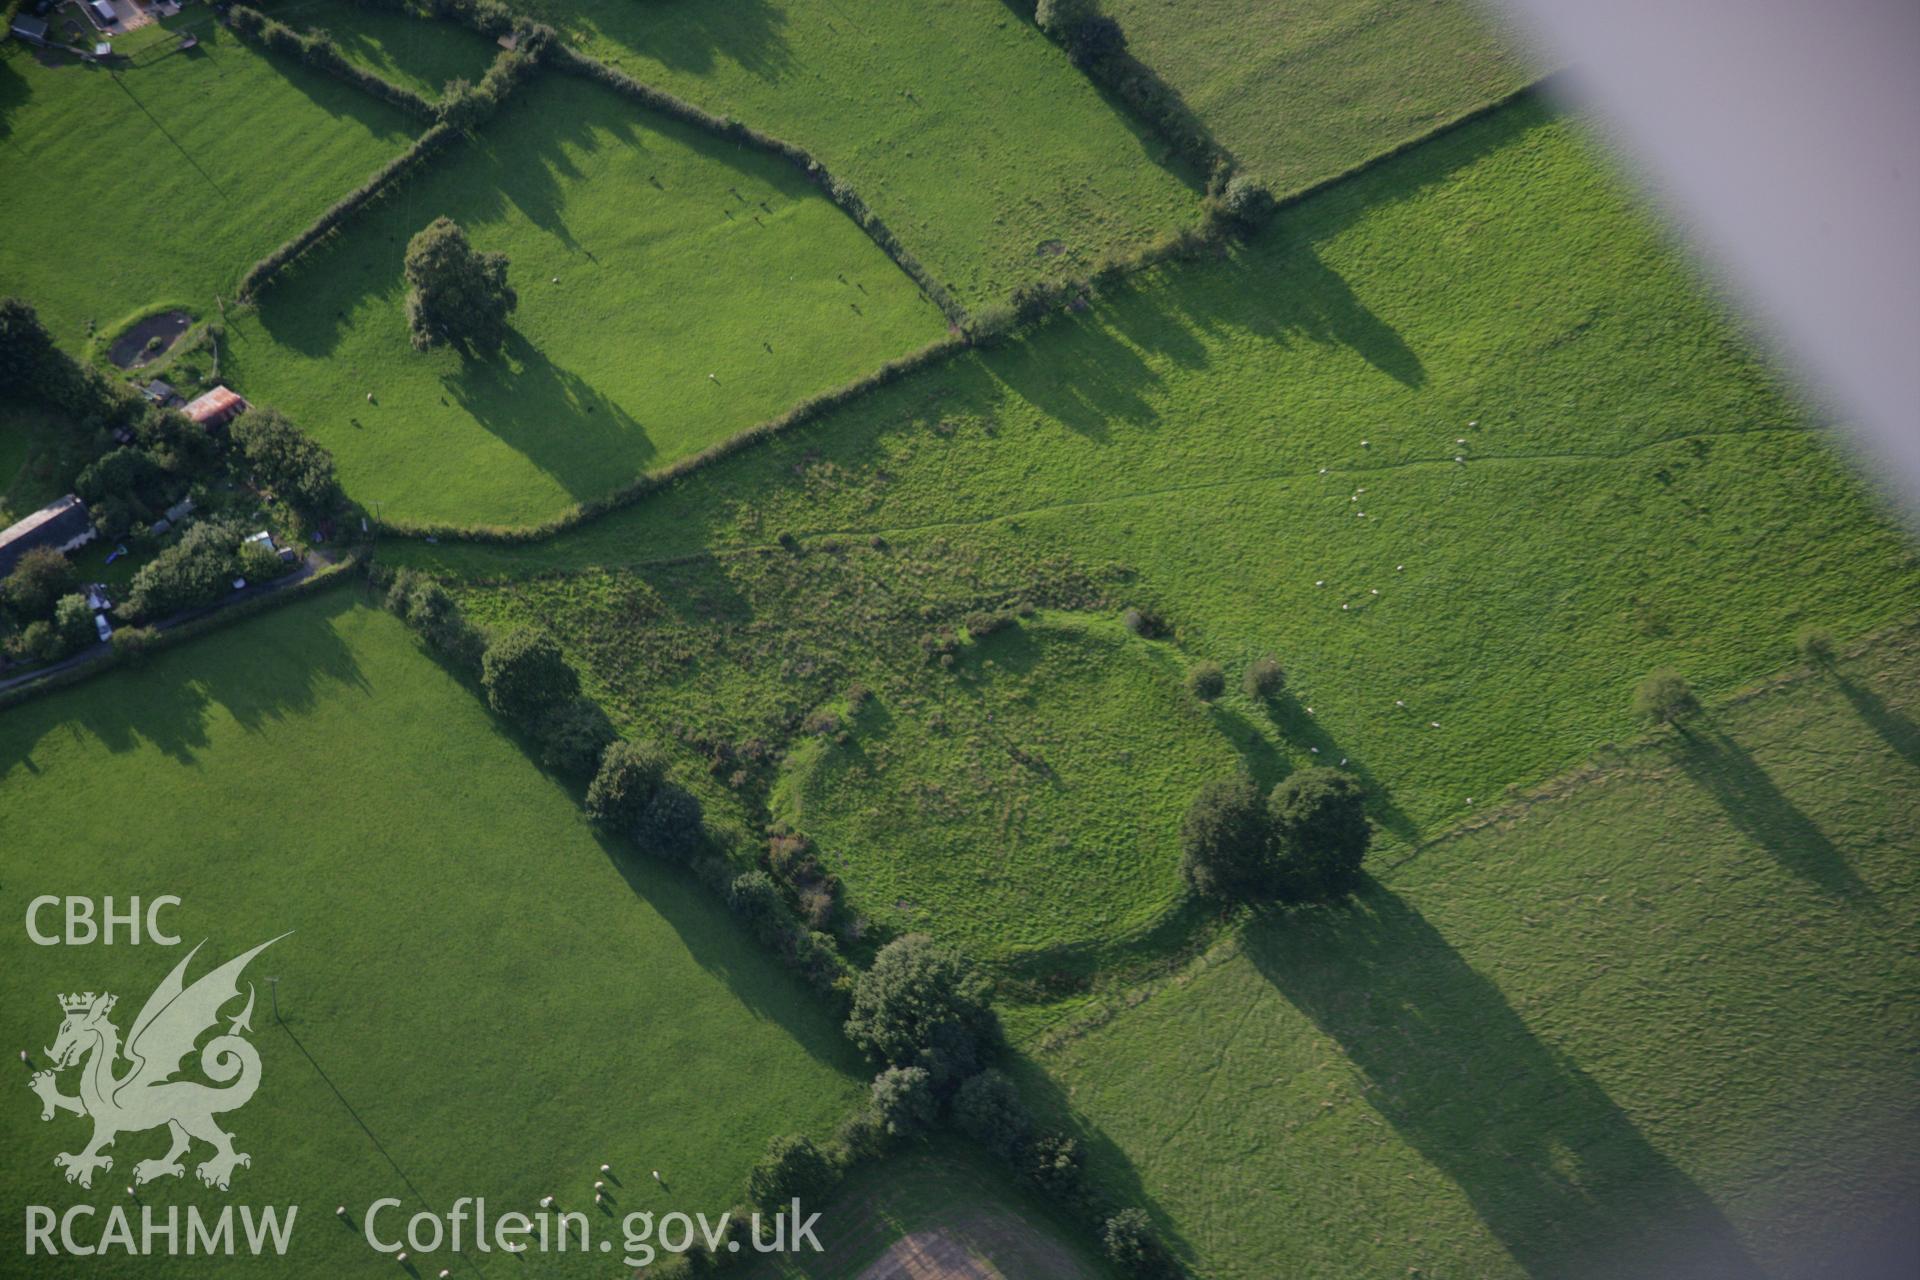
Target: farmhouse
{"x":62,"y":525}
{"x":216,"y":408}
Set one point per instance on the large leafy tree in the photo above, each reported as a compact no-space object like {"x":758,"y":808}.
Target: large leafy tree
{"x":284,"y":459}
{"x":1226,"y":843}
{"x":1320,"y":832}
{"x":42,"y":576}
{"x":194,"y":571}
{"x":630,"y":775}
{"x":923,"y":1004}
{"x":456,"y":294}
{"x":793,"y":1169}
{"x":1664,"y":697}
{"x":526,"y":676}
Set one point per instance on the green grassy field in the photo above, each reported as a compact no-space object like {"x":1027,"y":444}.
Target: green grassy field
{"x":1030,"y":802}
{"x":165,"y":178}
{"x":647,"y":256}
{"x":408,"y":51}
{"x":960,"y":124}
{"x":1301,"y":90}
{"x":1636,"y":489}
{"x":1668,"y":1004}
{"x":480,"y":998}
{"x":938,"y":1205}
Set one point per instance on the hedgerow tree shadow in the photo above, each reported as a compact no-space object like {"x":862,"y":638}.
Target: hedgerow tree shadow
{"x":691,"y":35}
{"x":1757,"y":807}
{"x":1290,"y":719}
{"x":1117,"y":1181}
{"x":165,"y":704}
{"x":554,"y":418}
{"x":1556,"y":1170}
{"x":711,"y":936}
{"x":14,"y":91}
{"x":719,"y":944}
{"x":1894,"y":727}
{"x":1076,"y":371}
{"x":1126,"y":67}
{"x":1285,"y":293}
{"x":335,"y":97}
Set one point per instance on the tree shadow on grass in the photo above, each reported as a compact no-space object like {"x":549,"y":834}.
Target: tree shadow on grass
{"x":1076,"y":371}
{"x":1283,"y":292}
{"x":1280,"y":288}
{"x":720,"y":945}
{"x":1895,"y":727}
{"x":1108,"y":1165}
{"x":552,"y":417}
{"x":692,"y":35}
{"x":165,"y":704}
{"x":1559,"y":1173}
{"x":1290,"y":719}
{"x":14,"y":91}
{"x":716,"y":941}
{"x":1759,"y":810}
{"x":335,"y":97}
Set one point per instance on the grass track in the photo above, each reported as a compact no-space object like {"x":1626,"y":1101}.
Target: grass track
{"x":1668,"y":1006}
{"x":1637,"y":489}
{"x":503,"y":1001}
{"x":640,"y":273}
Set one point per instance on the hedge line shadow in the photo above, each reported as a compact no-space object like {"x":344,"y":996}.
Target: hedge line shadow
{"x":1556,"y":1170}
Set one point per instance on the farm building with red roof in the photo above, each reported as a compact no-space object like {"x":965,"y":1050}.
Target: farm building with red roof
{"x":216,"y":408}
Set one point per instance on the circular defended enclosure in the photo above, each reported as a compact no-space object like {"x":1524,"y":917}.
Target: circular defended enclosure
{"x":1029,"y":799}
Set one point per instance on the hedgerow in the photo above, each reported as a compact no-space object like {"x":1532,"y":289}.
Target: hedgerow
{"x":317,"y":49}
{"x":836,"y":189}
{"x":805,"y":411}
{"x":386,"y":176}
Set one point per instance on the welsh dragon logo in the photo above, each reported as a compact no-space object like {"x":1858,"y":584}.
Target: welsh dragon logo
{"x":145,"y":1095}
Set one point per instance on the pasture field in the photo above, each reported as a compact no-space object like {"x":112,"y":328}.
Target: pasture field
{"x":964,"y":128}
{"x":1301,"y":90}
{"x":942,"y":1211}
{"x":1030,"y":802}
{"x":674,"y":290}
{"x":408,"y":51}
{"x":135,"y":186}
{"x":479,"y":997}
{"x":1667,"y":1003}
{"x":1636,"y":489}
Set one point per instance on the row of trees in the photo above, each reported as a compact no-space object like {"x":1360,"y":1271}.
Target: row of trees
{"x":923,"y":1011}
